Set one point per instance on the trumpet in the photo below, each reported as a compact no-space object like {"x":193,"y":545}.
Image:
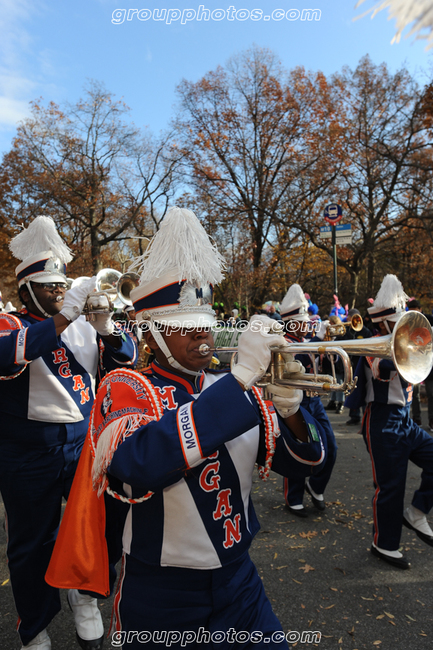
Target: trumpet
{"x":116,"y":287}
{"x":355,"y":322}
{"x":409,"y":347}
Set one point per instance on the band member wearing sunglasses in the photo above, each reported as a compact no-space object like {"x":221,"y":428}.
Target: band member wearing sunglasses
{"x":50,"y":360}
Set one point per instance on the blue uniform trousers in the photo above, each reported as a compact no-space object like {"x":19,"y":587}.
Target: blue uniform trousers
{"x":34,"y":477}
{"x":174,"y":607}
{"x":294,"y":487}
{"x":393,"y":439}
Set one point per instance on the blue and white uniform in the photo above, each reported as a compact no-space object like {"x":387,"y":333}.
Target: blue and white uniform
{"x":293,"y":488}
{"x":192,"y":536}
{"x":392,"y":439}
{"x":46,"y":397}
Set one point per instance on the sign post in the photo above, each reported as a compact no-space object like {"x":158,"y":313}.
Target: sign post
{"x":333,"y":214}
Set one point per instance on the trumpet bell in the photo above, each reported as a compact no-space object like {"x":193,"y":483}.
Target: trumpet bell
{"x":125,"y":284}
{"x":412,"y":348}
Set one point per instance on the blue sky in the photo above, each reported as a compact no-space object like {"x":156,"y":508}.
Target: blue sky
{"x":50,"y":48}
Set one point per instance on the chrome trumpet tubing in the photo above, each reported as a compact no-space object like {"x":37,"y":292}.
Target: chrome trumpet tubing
{"x":116,"y":287}
{"x":409,"y":347}
{"x":313,"y":382}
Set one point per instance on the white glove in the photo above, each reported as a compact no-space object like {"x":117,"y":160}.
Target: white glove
{"x":321,"y":332}
{"x":102,"y":322}
{"x":76,"y":298}
{"x":291,"y":365}
{"x":286,"y":400}
{"x":254,"y":355}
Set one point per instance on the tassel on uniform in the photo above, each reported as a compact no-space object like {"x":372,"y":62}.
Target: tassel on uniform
{"x":112,"y":436}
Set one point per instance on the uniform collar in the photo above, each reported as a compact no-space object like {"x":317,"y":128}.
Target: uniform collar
{"x":192,"y":386}
{"x":28,"y":313}
{"x":295,"y":339}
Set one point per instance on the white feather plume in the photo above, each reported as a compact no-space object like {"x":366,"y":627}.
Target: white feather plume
{"x":419,"y":12}
{"x":391,"y":293}
{"x":294,"y":297}
{"x":181,"y":245}
{"x":41,"y":235}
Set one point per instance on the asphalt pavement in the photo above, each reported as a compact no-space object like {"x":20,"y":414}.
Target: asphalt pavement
{"x":318,"y":572}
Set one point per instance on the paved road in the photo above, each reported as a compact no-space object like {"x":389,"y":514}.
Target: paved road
{"x":318,"y":572}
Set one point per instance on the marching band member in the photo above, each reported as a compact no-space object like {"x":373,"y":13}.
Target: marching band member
{"x":392,"y":438}
{"x":294,"y":312}
{"x":49,"y":359}
{"x":178,"y":444}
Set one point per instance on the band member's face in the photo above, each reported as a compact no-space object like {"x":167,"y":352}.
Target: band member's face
{"x":184,"y":346}
{"x":50,"y":297}
{"x":297,"y":327}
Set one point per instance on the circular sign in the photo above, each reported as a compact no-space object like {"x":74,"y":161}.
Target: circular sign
{"x":333,"y":213}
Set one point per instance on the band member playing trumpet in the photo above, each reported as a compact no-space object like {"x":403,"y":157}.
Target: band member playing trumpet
{"x":294,"y":312}
{"x":179,"y":447}
{"x":392,"y":437}
{"x":50,"y":359}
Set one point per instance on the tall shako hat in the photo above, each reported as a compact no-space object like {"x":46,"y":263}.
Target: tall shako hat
{"x":43,"y":252}
{"x":177,"y":274}
{"x":390,"y":302}
{"x":295,"y":305}
{"x":44,"y":255}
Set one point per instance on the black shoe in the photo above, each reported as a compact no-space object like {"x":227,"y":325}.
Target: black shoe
{"x":399,"y":562}
{"x":320,"y":505}
{"x":352,"y":421}
{"x":298,"y":512}
{"x":330,"y":406}
{"x":339,"y":408}
{"x":428,"y":539}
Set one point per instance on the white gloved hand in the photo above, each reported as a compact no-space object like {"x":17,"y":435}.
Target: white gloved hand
{"x":291,"y":365}
{"x":76,"y":297}
{"x":254,"y":355}
{"x":102,"y":322}
{"x":321,"y":331}
{"x":285,"y":399}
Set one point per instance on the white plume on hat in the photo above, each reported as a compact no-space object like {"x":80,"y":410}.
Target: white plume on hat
{"x":41,"y":235}
{"x":419,"y":12}
{"x":391,"y":295}
{"x":182,"y":246}
{"x":177,"y":272}
{"x":294,"y":304}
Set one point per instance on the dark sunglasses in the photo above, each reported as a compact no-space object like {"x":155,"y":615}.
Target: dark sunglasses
{"x":50,"y":286}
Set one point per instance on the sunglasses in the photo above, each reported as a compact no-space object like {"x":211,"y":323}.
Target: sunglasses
{"x":50,"y":286}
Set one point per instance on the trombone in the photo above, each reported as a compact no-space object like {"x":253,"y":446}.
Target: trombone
{"x":409,"y":347}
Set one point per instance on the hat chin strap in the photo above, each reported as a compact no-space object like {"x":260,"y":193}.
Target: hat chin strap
{"x":165,"y":349}
{"x":35,"y":300}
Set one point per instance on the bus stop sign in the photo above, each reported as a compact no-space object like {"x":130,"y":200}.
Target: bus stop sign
{"x":333,"y":213}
